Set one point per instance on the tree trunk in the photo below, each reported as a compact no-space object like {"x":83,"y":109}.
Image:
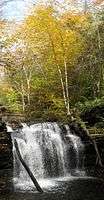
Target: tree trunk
{"x":28,"y":91}
{"x":27,"y":168}
{"x":23,"y":101}
{"x":66,"y":87}
{"x":97,"y":153}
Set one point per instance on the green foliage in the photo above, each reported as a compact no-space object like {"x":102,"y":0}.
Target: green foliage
{"x":9,"y":97}
{"x":54,"y":63}
{"x":13,"y":103}
{"x":89,"y":104}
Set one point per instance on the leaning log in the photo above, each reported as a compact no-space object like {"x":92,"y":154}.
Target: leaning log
{"x":97,"y":153}
{"x":27,"y":168}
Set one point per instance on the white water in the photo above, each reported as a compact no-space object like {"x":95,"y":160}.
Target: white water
{"x":47,"y":154}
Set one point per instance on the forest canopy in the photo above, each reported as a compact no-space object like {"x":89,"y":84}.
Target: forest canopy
{"x":52,"y":62}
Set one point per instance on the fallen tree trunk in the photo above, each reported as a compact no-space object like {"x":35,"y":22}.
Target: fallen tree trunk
{"x":98,"y":154}
{"x":27,"y":168}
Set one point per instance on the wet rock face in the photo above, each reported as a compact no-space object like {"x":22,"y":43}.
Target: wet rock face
{"x":81,"y":132}
{"x":6,"y":184}
{"x":6,"y":156}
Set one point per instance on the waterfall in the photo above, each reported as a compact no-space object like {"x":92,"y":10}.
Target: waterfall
{"x":76,"y":153}
{"x":46,"y":153}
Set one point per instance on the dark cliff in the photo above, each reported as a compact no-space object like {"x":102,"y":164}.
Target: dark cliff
{"x":6,"y":155}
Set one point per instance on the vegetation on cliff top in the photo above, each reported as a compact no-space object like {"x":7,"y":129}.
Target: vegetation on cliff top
{"x":53,"y":63}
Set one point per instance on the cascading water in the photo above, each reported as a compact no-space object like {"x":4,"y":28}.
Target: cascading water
{"x":46,"y":153}
{"x":76,"y":154}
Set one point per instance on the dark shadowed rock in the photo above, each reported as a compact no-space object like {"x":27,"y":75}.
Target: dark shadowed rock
{"x":6,"y":156}
{"x":93,"y":116}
